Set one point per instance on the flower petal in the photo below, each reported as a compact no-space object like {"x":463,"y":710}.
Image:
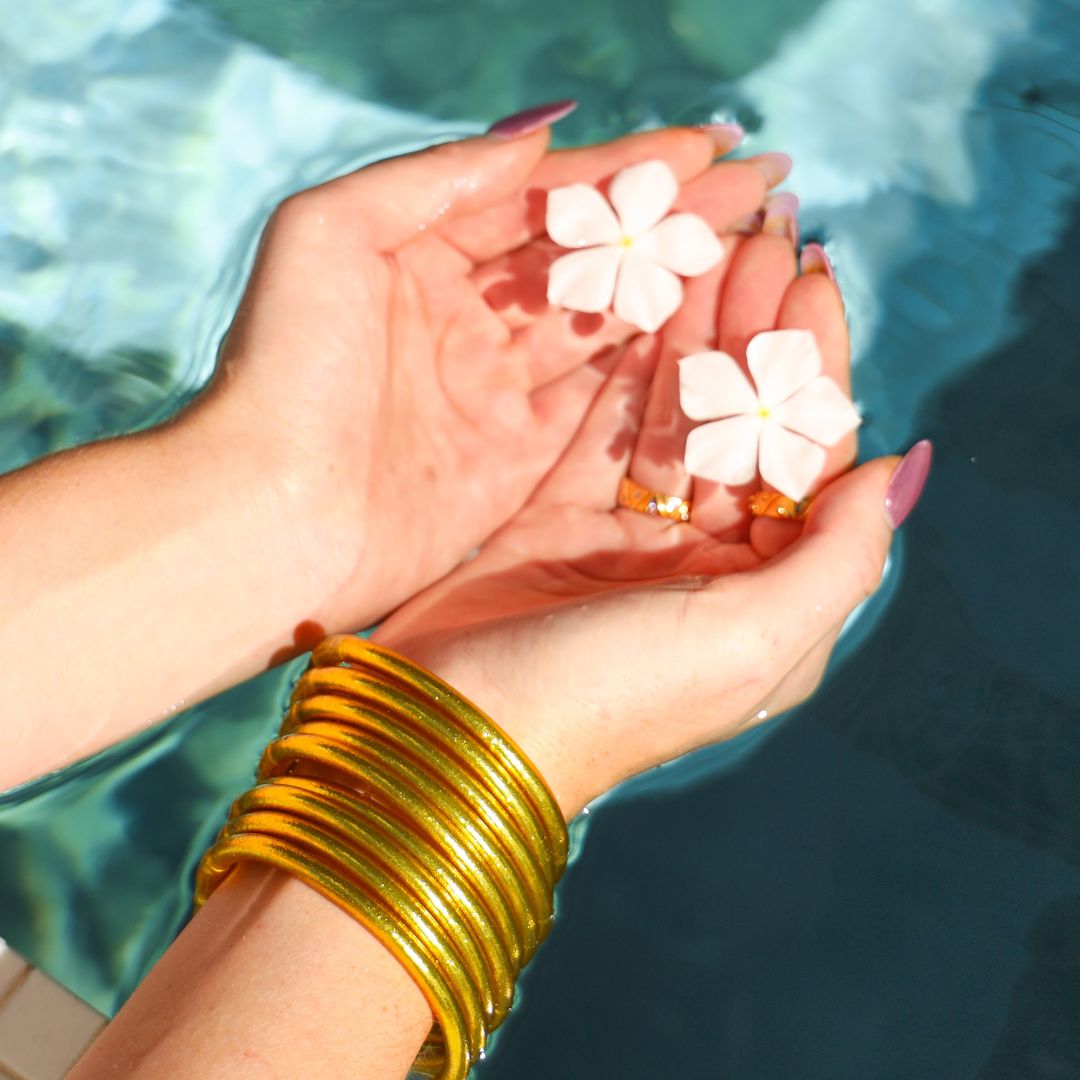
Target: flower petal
{"x":725,"y":451}
{"x":782,"y":361}
{"x":579,"y":216}
{"x":646,"y":295}
{"x":789,"y":462}
{"x":642,"y":195}
{"x":683,"y":243}
{"x":712,"y":385}
{"x":584,"y":280}
{"x":820,"y":410}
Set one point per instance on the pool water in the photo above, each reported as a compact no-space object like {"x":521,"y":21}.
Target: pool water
{"x":885,"y":885}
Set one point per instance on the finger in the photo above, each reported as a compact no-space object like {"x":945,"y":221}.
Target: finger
{"x":812,"y":302}
{"x":597,"y":458}
{"x":757,"y":282}
{"x":724,"y":194}
{"x":515,"y":283}
{"x":657,"y":460}
{"x":520,"y":216}
{"x":773,"y":165}
{"x":399,"y":199}
{"x":835,"y":564}
{"x":775,"y":618}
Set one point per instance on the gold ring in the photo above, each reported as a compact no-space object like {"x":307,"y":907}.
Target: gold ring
{"x":772,"y":504}
{"x":643,"y":500}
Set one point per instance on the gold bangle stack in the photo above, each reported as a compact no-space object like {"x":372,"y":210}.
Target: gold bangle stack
{"x":437,"y":833}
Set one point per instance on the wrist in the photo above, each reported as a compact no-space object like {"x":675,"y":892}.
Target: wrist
{"x":571,"y":773}
{"x":302,"y":513}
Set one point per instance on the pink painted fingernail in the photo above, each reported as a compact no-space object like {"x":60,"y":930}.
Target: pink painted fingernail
{"x":782,"y":216}
{"x":907,"y":482}
{"x":529,"y":120}
{"x":815,"y":260}
{"x":725,"y":137}
{"x":774,"y":166}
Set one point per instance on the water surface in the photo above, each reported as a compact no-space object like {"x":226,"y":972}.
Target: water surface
{"x":888,"y":885}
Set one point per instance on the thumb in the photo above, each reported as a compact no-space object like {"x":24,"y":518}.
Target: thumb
{"x":392,"y":201}
{"x":837,"y":561}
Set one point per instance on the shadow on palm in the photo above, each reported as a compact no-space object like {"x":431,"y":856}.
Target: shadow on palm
{"x":570,"y":544}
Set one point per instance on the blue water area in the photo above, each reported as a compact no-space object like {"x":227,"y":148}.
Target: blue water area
{"x":887,"y":883}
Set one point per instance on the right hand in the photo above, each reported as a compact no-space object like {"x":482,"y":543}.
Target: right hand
{"x":606,"y":641}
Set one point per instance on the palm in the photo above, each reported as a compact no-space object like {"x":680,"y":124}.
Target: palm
{"x":471,"y":386}
{"x":487,"y":371}
{"x":569,"y":542}
{"x":599,"y":635}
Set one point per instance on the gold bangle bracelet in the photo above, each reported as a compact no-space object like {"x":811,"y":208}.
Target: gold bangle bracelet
{"x":423,"y":821}
{"x":399,"y":886}
{"x":355,"y":686}
{"x":405,"y":854}
{"x":354,"y":864}
{"x":526,"y":892}
{"x":343,"y":649}
{"x":308,"y":714}
{"x":219,"y":861}
{"x":282,"y":754}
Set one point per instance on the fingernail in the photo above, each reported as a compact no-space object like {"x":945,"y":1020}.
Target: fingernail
{"x":814,"y":260}
{"x":725,"y":137}
{"x":774,"y":166}
{"x":907,"y":482}
{"x":781,"y":216}
{"x":529,"y":120}
{"x":750,"y":224}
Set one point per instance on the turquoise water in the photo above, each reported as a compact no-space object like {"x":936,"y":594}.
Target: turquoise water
{"x":888,"y":885}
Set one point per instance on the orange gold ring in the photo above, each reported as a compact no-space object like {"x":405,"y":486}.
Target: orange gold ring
{"x":772,"y":504}
{"x":643,"y":500}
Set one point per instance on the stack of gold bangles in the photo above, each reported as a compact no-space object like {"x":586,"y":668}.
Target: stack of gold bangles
{"x":436,"y":833}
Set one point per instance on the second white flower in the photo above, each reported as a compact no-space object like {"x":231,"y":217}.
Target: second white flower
{"x":777,"y":426}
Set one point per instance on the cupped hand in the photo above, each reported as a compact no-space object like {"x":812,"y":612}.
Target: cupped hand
{"x":607,"y":641}
{"x":395,"y":357}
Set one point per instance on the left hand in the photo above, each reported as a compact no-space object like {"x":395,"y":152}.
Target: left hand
{"x":395,"y":359}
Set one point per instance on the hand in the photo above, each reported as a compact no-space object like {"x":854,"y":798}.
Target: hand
{"x":606,"y":641}
{"x":394,"y":356}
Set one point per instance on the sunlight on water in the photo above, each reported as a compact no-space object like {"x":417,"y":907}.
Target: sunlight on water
{"x":886,"y":886}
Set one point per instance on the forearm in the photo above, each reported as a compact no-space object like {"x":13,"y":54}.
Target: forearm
{"x":139,"y":576}
{"x":269,"y":980}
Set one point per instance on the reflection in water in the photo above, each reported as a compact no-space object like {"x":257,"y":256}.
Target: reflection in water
{"x":1041,"y":1039}
{"x":978,"y":649}
{"x":791,"y":917}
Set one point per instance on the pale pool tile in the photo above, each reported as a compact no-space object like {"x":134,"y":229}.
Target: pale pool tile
{"x":44,"y":1028}
{"x":12,"y":965}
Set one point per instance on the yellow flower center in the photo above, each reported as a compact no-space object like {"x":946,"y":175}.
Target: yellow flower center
{"x":627,"y":241}
{"x":763,"y":412}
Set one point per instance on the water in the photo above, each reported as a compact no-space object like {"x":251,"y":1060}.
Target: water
{"x":887,"y":884}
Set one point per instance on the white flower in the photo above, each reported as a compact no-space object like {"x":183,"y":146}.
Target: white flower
{"x":632,"y":254}
{"x":779,"y":429}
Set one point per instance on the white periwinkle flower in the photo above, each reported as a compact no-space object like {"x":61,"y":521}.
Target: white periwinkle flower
{"x":632,"y":253}
{"x":779,"y":429}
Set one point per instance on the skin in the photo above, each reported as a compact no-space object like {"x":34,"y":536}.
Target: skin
{"x":688,"y":639}
{"x":432,"y":370}
{"x":369,"y":361}
{"x":692,"y":632}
